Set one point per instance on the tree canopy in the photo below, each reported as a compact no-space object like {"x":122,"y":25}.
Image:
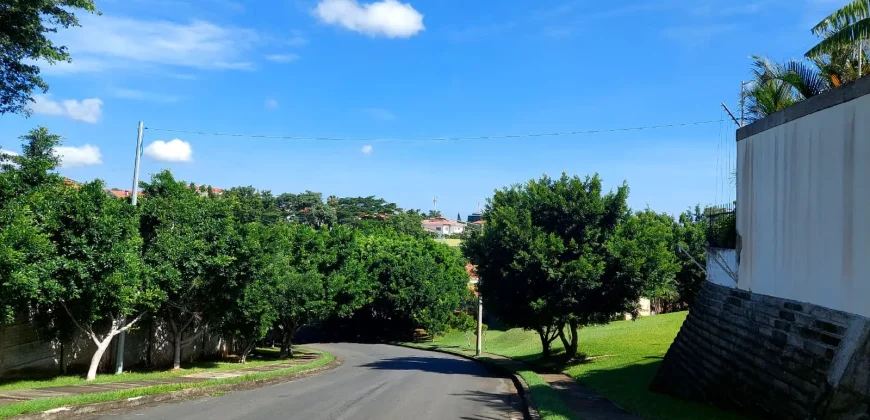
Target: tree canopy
{"x":25,"y":27}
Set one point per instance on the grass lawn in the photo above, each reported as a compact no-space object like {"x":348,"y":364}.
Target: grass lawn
{"x":43,"y":404}
{"x":259,"y":357}
{"x":622,"y":359}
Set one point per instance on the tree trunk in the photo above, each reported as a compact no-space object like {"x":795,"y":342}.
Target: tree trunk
{"x":101,"y":348}
{"x":545,"y":343}
{"x":286,"y":346}
{"x":570,"y":343}
{"x":243,"y":358}
{"x":176,"y":358}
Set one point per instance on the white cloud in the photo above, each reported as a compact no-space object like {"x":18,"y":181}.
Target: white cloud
{"x":381,"y":114}
{"x":282,"y":58}
{"x":143,"y":96}
{"x":88,"y":110}
{"x":8,"y":152}
{"x":171,"y":151}
{"x":388,"y":18}
{"x":367,"y":149}
{"x":133,"y":43}
{"x":297,"y":40}
{"x":71,"y":157}
{"x":271,"y":103}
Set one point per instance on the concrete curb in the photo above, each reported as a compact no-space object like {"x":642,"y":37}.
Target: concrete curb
{"x":129,"y":403}
{"x":530,"y":410}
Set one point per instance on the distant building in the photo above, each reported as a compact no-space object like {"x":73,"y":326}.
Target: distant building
{"x":474,"y":217}
{"x":443,"y":226}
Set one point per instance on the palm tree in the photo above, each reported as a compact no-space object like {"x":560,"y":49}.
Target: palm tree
{"x":847,"y":28}
{"x":768,"y":91}
{"x":778,"y":86}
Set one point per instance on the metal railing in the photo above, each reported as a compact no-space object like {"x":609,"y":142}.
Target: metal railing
{"x":722,"y":226}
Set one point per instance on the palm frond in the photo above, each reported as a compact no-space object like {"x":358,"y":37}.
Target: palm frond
{"x":843,"y":38}
{"x":805,"y":79}
{"x":847,"y":15}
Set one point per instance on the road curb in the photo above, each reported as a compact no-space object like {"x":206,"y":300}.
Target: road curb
{"x":530,"y":410}
{"x":184,"y":394}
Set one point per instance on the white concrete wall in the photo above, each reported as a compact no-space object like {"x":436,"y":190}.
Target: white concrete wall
{"x":718,"y":260}
{"x":23,"y":352}
{"x":803,"y":208}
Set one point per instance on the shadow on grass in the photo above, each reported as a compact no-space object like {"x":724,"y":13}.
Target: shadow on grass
{"x":42,"y":380}
{"x":628,"y":387}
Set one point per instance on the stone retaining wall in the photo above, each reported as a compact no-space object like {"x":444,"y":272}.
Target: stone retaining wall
{"x":769,"y":357}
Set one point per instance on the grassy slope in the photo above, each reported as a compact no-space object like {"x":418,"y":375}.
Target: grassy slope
{"x":259,"y":358}
{"x":624,"y":357}
{"x":43,"y":404}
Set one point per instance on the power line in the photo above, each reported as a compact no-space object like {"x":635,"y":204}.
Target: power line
{"x":494,"y":137}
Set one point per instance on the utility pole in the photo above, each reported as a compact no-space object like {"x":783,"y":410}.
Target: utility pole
{"x":119,"y":354}
{"x":479,"y":322}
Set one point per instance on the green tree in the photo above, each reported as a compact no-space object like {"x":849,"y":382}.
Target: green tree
{"x":254,"y":282}
{"x":301,"y":295}
{"x":458,"y":217}
{"x":33,"y":168}
{"x":188,"y":249}
{"x":28,"y":190}
{"x":642,"y":252}
{"x":544,"y":260}
{"x":350,"y":209}
{"x":691,"y":251}
{"x":433,"y":214}
{"x":25,"y":26}
{"x":408,"y":223}
{"x":462,"y":321}
{"x":306,"y":208}
{"x":99,"y":275}
{"x":254,"y":206}
{"x":414,"y":283}
{"x":847,"y":28}
{"x":26,"y":258}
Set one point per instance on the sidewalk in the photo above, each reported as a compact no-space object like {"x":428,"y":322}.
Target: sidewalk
{"x":22,"y":395}
{"x":585,"y":402}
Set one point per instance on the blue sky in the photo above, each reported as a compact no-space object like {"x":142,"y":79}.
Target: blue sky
{"x":392,"y":71}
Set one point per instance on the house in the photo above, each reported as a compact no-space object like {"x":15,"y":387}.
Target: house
{"x":474,"y":217}
{"x":443,"y":226}
{"x":781,"y":328}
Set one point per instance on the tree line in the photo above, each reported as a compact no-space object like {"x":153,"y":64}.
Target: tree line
{"x":78,"y":260}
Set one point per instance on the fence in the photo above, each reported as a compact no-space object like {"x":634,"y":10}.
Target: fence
{"x":722,"y":227}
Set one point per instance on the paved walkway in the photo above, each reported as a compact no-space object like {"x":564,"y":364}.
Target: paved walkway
{"x":12,"y":397}
{"x":585,"y":402}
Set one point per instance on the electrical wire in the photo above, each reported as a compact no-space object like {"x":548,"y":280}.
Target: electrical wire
{"x":493,"y":137}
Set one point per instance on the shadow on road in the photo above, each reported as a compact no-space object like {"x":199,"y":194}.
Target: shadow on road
{"x":496,"y":402}
{"x":431,"y":364}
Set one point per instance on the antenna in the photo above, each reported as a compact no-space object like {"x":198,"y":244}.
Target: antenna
{"x":435,"y":203}
{"x":478,"y":207}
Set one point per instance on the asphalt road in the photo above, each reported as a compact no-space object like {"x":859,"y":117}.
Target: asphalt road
{"x":375,"y":382}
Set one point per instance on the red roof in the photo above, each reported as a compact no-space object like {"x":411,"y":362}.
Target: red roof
{"x":471,"y":269}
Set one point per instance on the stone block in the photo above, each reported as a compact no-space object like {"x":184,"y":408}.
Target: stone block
{"x":829,"y":327}
{"x":787,"y":315}
{"x":830,"y":340}
{"x":793,"y":306}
